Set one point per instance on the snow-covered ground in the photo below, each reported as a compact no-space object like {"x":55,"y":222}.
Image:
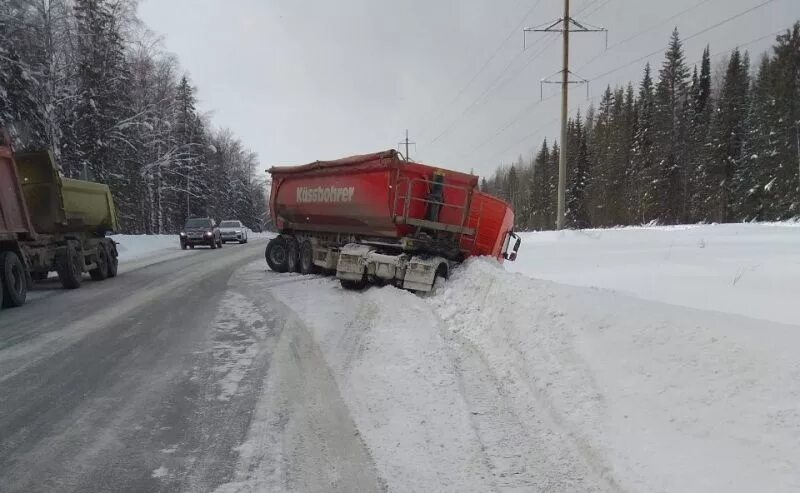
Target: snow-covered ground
{"x":134,"y":247}
{"x":684,"y":377}
{"x":746,"y":269}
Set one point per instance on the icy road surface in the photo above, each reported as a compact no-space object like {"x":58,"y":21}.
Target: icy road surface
{"x":204,"y":371}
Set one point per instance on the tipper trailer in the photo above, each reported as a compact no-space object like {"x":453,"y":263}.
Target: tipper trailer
{"x":49,"y":223}
{"x":377,"y":218}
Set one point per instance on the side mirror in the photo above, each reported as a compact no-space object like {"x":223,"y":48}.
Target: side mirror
{"x":512,"y":255}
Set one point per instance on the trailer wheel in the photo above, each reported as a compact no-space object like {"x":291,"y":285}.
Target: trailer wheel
{"x":276,"y":254}
{"x":292,"y":255}
{"x":69,"y":266}
{"x":307,"y":258}
{"x":100,"y":273}
{"x":14,"y":279}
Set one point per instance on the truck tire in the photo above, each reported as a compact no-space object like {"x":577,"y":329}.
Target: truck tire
{"x":14,"y":278}
{"x":100,"y":273}
{"x":307,"y":258}
{"x":69,"y":266}
{"x":276,"y":254}
{"x":113,"y":259}
{"x":292,"y":255}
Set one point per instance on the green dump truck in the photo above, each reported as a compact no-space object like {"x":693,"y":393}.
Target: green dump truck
{"x":49,"y":223}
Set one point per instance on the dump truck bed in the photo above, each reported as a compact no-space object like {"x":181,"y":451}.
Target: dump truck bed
{"x":14,"y":218}
{"x":60,"y":205}
{"x":381,"y":195}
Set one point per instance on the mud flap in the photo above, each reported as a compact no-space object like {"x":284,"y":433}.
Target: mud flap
{"x":421,"y":272}
{"x":352,"y":262}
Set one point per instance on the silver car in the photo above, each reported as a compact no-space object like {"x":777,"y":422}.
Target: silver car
{"x":232,"y":230}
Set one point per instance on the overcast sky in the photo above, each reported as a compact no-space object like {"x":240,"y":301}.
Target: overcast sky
{"x":301,"y":80}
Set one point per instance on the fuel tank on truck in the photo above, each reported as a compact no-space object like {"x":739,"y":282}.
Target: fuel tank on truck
{"x":377,"y":195}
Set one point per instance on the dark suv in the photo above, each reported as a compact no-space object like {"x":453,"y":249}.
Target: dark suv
{"x":200,"y":231}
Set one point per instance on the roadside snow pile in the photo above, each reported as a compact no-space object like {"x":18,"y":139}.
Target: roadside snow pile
{"x":648,"y":396}
{"x":745,"y":269}
{"x":133,"y":247}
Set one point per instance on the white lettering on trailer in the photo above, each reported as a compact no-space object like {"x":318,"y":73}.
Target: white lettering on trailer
{"x":325,"y":194}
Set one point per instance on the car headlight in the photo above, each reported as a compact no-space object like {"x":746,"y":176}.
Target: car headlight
{"x":238,"y":232}
{"x":209,"y":233}
{"x":182,"y":233}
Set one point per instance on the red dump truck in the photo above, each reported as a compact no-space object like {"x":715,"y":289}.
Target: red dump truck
{"x":49,"y":223}
{"x":377,"y":218}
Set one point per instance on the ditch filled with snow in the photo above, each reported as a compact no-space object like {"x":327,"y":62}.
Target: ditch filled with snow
{"x":661,"y":360}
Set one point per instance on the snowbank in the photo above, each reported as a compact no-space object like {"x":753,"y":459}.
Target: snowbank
{"x":500,"y":381}
{"x":134,"y":247}
{"x":746,"y":269}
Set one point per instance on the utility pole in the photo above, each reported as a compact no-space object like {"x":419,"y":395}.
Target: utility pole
{"x":565,"y":25}
{"x":407,"y":143}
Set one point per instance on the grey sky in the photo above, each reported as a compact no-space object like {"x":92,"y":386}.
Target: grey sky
{"x":300,"y":80}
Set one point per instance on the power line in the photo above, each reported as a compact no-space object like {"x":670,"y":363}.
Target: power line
{"x":698,"y":33}
{"x":643,"y":31}
{"x":491,"y":57}
{"x":475,"y":101}
{"x":596,"y":9}
{"x":668,"y":19}
{"x":575,"y":107}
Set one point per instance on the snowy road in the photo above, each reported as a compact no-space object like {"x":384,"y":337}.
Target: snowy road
{"x":149,"y":382}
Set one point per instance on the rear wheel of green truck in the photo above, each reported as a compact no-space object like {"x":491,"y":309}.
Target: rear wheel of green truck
{"x":113,"y":259}
{"x":100,"y":273}
{"x":276,"y":254}
{"x":69,"y":266}
{"x":14,"y":280}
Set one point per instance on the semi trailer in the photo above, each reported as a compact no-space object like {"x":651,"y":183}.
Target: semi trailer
{"x":380,"y":219}
{"x":50,"y":223}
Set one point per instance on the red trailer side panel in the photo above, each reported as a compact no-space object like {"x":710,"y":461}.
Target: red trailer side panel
{"x":14,"y":217}
{"x":364,"y":195}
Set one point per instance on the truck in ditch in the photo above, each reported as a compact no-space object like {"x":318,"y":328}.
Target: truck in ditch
{"x":380,"y":219}
{"x":50,"y":223}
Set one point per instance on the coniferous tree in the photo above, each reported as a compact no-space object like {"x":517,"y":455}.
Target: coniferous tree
{"x":670,"y":103}
{"x":728,"y":133}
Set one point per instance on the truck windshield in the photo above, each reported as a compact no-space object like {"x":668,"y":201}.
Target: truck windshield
{"x":230,"y":224}
{"x":198,"y":223}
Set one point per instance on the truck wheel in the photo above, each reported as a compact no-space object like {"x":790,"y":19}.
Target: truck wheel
{"x":276,"y":254}
{"x":113,"y":259}
{"x":307,"y":258}
{"x":14,"y":280}
{"x":292,"y":255}
{"x":69,"y":266}
{"x":100,"y":273}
